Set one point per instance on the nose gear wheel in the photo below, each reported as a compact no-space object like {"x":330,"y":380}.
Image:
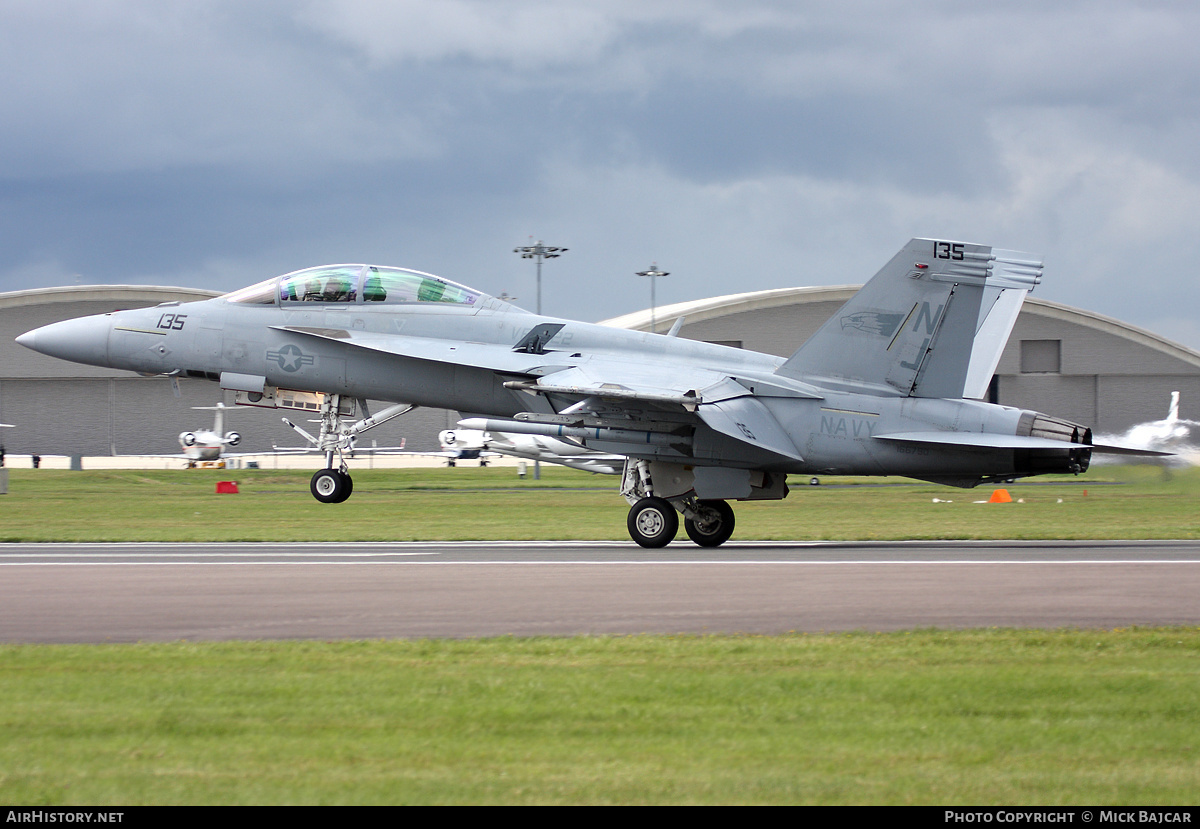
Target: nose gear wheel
{"x":331,"y":486}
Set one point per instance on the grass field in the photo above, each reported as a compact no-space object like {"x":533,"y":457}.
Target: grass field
{"x":998,"y":717}
{"x":995,"y":717}
{"x":485,"y":504}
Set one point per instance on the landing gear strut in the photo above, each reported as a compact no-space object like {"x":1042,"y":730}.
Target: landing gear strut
{"x":333,"y":484}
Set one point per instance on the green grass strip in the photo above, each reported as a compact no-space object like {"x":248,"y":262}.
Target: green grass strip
{"x":1000,"y":717}
{"x":493,"y":504}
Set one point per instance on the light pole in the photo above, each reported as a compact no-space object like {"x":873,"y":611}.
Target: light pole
{"x":539,"y":252}
{"x":654,"y":273}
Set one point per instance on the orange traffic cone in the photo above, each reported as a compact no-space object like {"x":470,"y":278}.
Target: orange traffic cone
{"x":1000,"y":496}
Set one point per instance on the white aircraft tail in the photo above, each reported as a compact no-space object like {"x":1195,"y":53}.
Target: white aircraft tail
{"x":932,"y":323}
{"x":218,"y":418}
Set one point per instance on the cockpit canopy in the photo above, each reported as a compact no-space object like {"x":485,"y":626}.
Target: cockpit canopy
{"x":346,"y":284}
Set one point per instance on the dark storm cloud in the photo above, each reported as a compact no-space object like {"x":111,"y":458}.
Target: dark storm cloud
{"x":216,"y":143}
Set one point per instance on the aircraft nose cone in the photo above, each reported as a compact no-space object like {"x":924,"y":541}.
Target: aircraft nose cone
{"x":83,"y":340}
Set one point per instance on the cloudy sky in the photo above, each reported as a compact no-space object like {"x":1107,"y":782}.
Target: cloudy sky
{"x":740,"y":145}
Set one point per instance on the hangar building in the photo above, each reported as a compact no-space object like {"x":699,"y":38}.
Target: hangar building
{"x":1060,"y":360}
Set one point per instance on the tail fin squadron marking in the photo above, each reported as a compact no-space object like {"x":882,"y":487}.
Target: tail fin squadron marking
{"x":931,"y":323}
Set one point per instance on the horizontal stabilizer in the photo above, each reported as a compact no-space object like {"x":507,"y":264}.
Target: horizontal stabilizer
{"x":988,"y":440}
{"x":982,"y":440}
{"x":1129,"y":450}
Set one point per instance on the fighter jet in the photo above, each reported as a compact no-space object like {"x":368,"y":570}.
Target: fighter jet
{"x":890,"y":385}
{"x":208,"y":444}
{"x":464,"y":445}
{"x":1173,"y":435}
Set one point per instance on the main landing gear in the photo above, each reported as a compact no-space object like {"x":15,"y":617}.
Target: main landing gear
{"x":654,"y":521}
{"x":713,"y":524}
{"x":333,"y":484}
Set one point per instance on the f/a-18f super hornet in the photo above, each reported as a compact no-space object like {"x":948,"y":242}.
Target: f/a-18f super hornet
{"x":890,"y":385}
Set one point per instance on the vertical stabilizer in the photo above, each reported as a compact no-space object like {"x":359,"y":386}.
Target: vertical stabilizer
{"x":931,"y":323}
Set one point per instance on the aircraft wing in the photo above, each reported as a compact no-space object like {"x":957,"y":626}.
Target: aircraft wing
{"x":311,"y":450}
{"x":165,"y":456}
{"x":223,"y":456}
{"x":616,"y":399}
{"x":603,"y":390}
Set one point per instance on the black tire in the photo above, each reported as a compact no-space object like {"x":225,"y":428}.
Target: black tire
{"x":329,"y":486}
{"x":349,"y":487}
{"x":652,"y":522}
{"x":712,"y":533}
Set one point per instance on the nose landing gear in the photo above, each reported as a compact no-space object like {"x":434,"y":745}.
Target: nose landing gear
{"x":333,"y":485}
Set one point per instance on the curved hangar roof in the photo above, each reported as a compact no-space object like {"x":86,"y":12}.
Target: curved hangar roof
{"x":22,"y":311}
{"x":108,"y":297}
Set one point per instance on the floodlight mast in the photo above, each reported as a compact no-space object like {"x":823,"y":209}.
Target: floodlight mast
{"x":539,"y":252}
{"x":654,"y":273}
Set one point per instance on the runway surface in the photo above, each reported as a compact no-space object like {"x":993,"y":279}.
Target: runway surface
{"x":166,"y":592}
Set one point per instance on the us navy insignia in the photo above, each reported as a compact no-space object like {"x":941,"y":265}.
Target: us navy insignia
{"x":290,"y":358}
{"x":873,"y":322}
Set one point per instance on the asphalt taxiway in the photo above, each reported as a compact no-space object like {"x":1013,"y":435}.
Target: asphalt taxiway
{"x":166,"y":592}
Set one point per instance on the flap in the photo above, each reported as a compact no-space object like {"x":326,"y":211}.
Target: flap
{"x":749,"y":421}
